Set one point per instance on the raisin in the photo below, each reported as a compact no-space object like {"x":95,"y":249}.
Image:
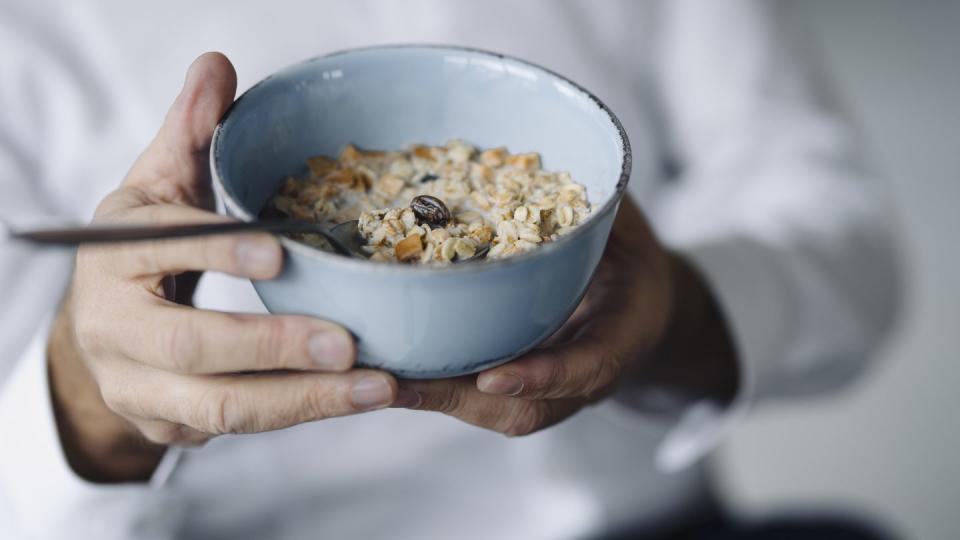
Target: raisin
{"x":428,"y":178}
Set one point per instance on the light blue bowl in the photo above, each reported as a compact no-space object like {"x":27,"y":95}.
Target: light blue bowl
{"x":425,"y":322}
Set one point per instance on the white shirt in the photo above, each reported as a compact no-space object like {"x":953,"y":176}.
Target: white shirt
{"x":740,"y":161}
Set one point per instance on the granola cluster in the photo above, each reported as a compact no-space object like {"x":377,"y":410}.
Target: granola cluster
{"x":437,"y":205}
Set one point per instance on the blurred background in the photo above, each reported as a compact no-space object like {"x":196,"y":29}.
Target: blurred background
{"x":888,"y":447}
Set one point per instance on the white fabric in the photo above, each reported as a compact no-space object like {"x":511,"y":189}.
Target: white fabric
{"x":763,"y":188}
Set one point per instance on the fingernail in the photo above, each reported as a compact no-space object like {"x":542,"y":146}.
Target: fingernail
{"x":406,"y":399}
{"x":329,"y":351}
{"x":371,"y":392}
{"x":503,"y":384}
{"x":256,"y":258}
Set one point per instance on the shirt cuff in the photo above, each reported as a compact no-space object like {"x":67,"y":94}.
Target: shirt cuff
{"x":746,"y":278}
{"x":45,"y":497}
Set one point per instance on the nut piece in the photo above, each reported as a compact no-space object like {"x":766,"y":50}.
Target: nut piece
{"x":480,"y":174}
{"x":351,"y":178}
{"x":525,"y":162}
{"x":320,"y":166}
{"x":350,"y":155}
{"x":493,"y":157}
{"x":430,"y":210}
{"x":363,"y":179}
{"x":409,"y":248}
{"x":422,"y":152}
{"x":391,"y":185}
{"x":343,"y":177}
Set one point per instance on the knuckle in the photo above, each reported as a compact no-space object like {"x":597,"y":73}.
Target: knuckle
{"x":491,"y":417}
{"x":546,"y":373}
{"x":270,"y":342}
{"x":605,"y":372}
{"x":555,"y":371}
{"x":450,"y":400}
{"x":318,"y":401}
{"x":183,"y":347}
{"x":223,"y":414}
{"x":524,"y":421}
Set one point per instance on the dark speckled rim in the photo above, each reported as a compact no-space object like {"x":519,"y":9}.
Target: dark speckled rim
{"x":368,"y":266}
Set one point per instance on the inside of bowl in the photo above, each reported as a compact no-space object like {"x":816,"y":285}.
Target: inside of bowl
{"x":389,"y":98}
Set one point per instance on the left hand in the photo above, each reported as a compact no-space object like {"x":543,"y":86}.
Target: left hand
{"x":647,"y":317}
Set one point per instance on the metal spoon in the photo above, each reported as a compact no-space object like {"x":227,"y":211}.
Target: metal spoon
{"x":344,"y":237}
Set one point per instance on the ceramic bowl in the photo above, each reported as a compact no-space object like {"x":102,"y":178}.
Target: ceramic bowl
{"x":425,"y":322}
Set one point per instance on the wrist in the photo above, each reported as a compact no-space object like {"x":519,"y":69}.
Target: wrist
{"x":99,"y":445}
{"x":695,"y":358}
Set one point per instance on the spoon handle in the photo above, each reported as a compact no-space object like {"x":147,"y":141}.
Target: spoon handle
{"x":97,"y":234}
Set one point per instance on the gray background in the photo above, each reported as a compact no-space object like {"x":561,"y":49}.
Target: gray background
{"x":890,"y":447}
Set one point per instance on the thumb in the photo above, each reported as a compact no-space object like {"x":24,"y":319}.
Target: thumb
{"x":174,"y":167}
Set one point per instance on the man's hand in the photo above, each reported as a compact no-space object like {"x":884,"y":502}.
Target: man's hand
{"x":133,"y":368}
{"x":648,"y":319}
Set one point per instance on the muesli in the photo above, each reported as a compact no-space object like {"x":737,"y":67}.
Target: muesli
{"x":436,"y":204}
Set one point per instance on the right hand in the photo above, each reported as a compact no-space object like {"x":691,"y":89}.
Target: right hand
{"x":127,"y":361}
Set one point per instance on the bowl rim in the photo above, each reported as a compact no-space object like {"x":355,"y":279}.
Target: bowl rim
{"x":352,"y":264}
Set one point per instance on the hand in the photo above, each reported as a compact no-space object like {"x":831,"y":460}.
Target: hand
{"x":129,"y":361}
{"x":648,"y":319}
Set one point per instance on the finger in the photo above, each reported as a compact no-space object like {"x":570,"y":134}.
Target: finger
{"x":602,"y":341}
{"x":243,"y":403}
{"x":573,"y":325}
{"x":169,"y":434}
{"x":174,"y":165}
{"x":187,"y":340}
{"x":585,"y":367}
{"x":257,"y":256}
{"x":513,"y":417}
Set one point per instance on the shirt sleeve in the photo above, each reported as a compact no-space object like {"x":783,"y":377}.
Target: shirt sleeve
{"x":40,"y":495}
{"x":775,"y":203}
{"x":41,"y":120}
